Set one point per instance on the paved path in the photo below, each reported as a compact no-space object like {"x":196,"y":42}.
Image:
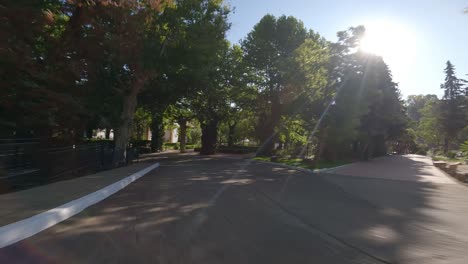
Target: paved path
{"x":26,"y":203}
{"x":414,"y":168}
{"x":211,"y":210}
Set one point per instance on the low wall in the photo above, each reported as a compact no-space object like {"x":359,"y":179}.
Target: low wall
{"x":456,"y":170}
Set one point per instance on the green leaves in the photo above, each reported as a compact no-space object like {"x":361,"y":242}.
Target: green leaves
{"x":290,"y":65}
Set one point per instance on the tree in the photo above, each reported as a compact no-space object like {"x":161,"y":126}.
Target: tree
{"x":288,"y":62}
{"x":453,"y":108}
{"x":39,"y":69}
{"x":223,"y":92}
{"x":194,"y":24}
{"x":423,"y":113}
{"x":429,"y":130}
{"x":137,"y":41}
{"x":180,"y":113}
{"x":267,"y":48}
{"x":415,"y":104}
{"x":193,"y":62}
{"x":365,"y":112}
{"x":241,"y":97}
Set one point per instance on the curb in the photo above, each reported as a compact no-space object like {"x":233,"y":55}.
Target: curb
{"x":302,"y":169}
{"x":451,"y":177}
{"x":28,"y":227}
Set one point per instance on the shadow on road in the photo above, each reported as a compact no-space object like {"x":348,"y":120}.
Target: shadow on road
{"x":210,"y":210}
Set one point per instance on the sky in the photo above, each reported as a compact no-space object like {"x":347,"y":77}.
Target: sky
{"x":424,"y":34}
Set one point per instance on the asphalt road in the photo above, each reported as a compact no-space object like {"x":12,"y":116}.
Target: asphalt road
{"x":209,"y":210}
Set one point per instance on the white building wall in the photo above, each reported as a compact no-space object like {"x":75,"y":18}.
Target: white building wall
{"x":101,"y":134}
{"x":171,"y":135}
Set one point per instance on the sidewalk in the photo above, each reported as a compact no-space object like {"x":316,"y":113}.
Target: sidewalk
{"x":413,"y":168}
{"x":23,"y":204}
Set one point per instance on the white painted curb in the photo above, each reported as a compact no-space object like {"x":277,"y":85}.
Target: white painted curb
{"x":302,"y":169}
{"x":28,"y":227}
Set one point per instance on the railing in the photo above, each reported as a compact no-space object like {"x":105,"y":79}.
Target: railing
{"x":25,"y":163}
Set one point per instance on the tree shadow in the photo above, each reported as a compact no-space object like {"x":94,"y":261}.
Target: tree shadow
{"x":210,"y":210}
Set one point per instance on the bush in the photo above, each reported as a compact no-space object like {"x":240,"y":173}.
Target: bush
{"x":452,"y":154}
{"x":464,"y":148}
{"x":144,"y":150}
{"x":174,"y":146}
{"x":421,"y":151}
{"x":141,"y":143}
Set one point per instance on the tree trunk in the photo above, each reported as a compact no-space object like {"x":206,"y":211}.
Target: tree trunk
{"x":89,"y":132}
{"x":321,"y":146}
{"x":366,"y":151}
{"x":380,"y":148}
{"x":232,"y":128}
{"x":209,"y":136}
{"x":108,"y":130}
{"x":157,"y":130}
{"x":269,"y":135}
{"x":78,"y":134}
{"x":183,"y":134}
{"x":123,"y":132}
{"x":446,"y":145}
{"x":319,"y":152}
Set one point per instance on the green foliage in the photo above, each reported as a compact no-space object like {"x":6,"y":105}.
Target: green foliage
{"x":453,"y":111}
{"x":428,"y":129}
{"x":451,"y":154}
{"x":141,"y":123}
{"x":289,"y":64}
{"x":415,"y":104}
{"x":304,"y":163}
{"x":293,"y":132}
{"x":365,"y":112}
{"x":441,"y":124}
{"x":464,"y":148}
{"x":194,"y":133}
{"x":129,"y":65}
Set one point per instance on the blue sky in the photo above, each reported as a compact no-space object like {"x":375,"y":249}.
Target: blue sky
{"x":439,"y":31}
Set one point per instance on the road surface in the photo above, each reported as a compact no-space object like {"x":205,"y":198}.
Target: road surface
{"x":209,"y":210}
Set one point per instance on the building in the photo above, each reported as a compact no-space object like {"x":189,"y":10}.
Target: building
{"x":170,"y":135}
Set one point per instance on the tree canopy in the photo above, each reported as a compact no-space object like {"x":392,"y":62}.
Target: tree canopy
{"x":69,"y":67}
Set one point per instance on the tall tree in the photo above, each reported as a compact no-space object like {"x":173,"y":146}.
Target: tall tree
{"x":223,"y":90}
{"x":274,"y":49}
{"x":453,"y":109}
{"x":39,"y":92}
{"x":365,"y":103}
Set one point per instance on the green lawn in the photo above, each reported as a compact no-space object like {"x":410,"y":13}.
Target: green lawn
{"x":302,"y":164}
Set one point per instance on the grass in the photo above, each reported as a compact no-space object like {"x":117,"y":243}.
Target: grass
{"x":302,"y":164}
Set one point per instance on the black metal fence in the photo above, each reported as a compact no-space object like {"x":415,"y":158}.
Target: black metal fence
{"x":25,"y":163}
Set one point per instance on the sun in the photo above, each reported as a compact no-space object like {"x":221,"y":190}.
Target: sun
{"x":392,"y":41}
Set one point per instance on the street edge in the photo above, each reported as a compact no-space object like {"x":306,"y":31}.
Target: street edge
{"x":302,"y":169}
{"x":28,"y":227}
{"x":449,"y":176}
